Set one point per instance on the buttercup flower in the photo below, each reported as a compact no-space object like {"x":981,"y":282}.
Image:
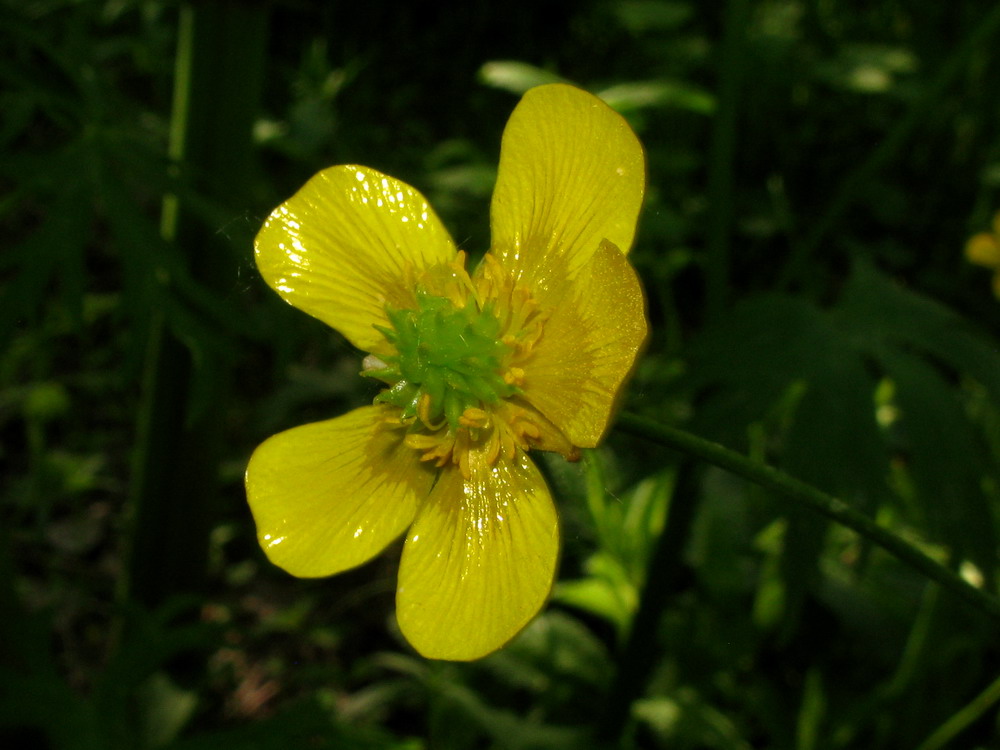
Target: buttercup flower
{"x":527,"y":351}
{"x":983,"y":249}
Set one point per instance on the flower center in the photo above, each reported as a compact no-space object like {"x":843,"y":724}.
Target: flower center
{"x":455,"y":359}
{"x":449,"y":359}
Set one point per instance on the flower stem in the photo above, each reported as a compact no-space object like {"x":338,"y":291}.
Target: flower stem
{"x":218,"y":78}
{"x":963,"y":718}
{"x":808,"y":496}
{"x":720,"y":161}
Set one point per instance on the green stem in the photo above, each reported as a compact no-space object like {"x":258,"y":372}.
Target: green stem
{"x":720,"y":160}
{"x":218,"y":78}
{"x":807,"y":496}
{"x":595,"y":484}
{"x":850,"y":188}
{"x":916,"y":647}
{"x":963,"y":718}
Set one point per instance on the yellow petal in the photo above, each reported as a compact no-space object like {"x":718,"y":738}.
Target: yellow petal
{"x":983,"y":249}
{"x":331,"y":495}
{"x":589,"y":344}
{"x":572,"y":173}
{"x":347,"y":243}
{"x":479,"y":560}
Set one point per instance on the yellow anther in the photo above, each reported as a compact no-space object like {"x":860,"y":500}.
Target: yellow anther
{"x":460,"y":453}
{"x":392,"y":420}
{"x":424,"y":412}
{"x":530,"y":429}
{"x":438,"y":447}
{"x":514,"y":376}
{"x":473,"y":417}
{"x":508,"y":443}
{"x":492,"y":448}
{"x":420,"y":442}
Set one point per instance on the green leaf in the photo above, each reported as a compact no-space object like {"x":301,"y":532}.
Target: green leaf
{"x":946,"y":458}
{"x":879,"y":313}
{"x":636,"y":95}
{"x":606,"y":591}
{"x":824,"y":366}
{"x":752,"y":359}
{"x":516,"y":77}
{"x":163,"y":709}
{"x":54,"y":251}
{"x":642,"y":16}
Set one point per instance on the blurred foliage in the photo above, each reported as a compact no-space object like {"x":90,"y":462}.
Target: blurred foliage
{"x":828,"y":190}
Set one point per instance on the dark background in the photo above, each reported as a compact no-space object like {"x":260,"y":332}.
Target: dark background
{"x":815,"y":170}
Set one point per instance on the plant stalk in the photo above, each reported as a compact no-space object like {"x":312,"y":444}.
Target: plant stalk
{"x":807,"y":496}
{"x":720,"y":160}
{"x":218,"y":78}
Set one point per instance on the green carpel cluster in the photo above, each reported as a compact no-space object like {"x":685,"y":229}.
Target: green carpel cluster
{"x":452,"y":354}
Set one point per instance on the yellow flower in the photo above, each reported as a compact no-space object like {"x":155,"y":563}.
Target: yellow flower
{"x":528,"y":351}
{"x":983,"y":249}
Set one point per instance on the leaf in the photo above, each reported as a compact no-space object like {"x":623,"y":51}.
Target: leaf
{"x":606,"y":592}
{"x":879,"y":313}
{"x":516,"y":77}
{"x":31,"y":690}
{"x":635,"y":95}
{"x":563,"y":651}
{"x":54,"y":250}
{"x":163,"y":709}
{"x":689,"y":720}
{"x":946,"y":458}
{"x":642,"y":16}
{"x":751,"y":360}
{"x":927,"y":350}
{"x":824,"y":365}
{"x":505,"y":727}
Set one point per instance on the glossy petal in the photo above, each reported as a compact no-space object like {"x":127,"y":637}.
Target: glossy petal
{"x":331,"y":495}
{"x":348,"y":242}
{"x":983,"y":249}
{"x":479,"y":560}
{"x":572,"y":173}
{"x":589,"y":343}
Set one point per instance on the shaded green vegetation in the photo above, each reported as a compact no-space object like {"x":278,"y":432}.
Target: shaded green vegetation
{"x":815,"y":170}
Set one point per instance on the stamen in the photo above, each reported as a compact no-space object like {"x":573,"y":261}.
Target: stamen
{"x":457,"y":357}
{"x":424,"y":404}
{"x":475,"y":418}
{"x":514,"y":376}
